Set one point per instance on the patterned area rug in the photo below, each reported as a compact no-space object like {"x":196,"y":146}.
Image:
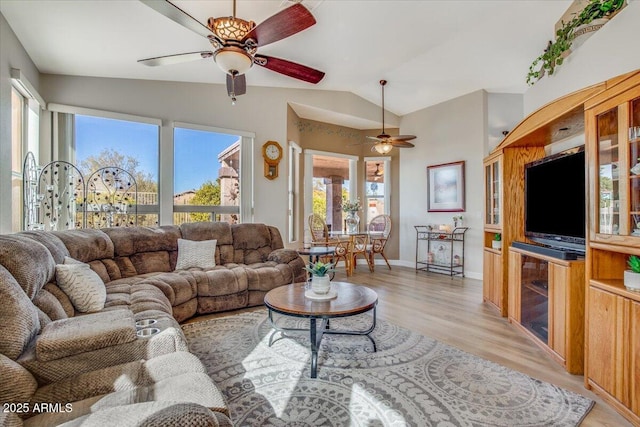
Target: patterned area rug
{"x":410,"y":381}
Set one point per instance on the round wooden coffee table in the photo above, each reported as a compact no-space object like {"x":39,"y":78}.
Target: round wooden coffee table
{"x":290,"y":300}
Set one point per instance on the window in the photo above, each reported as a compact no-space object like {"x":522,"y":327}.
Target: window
{"x":293,"y":190}
{"x":377,"y":172}
{"x":206,"y":176}
{"x":102,"y":142}
{"x":25,"y":129}
{"x":17,"y":153}
{"x":329,"y":177}
{"x":93,"y":139}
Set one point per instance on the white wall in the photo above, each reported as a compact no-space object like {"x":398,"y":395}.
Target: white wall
{"x":262,"y":111}
{"x":611,"y":51}
{"x":12,"y":55}
{"x":452,"y":131}
{"x":504,"y":112}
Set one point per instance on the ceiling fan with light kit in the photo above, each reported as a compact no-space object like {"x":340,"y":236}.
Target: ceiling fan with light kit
{"x":385,"y":142}
{"x":236,"y":42}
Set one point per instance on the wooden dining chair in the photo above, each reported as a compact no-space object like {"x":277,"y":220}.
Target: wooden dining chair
{"x":379,"y":230}
{"x":359,"y":245}
{"x":320,"y":237}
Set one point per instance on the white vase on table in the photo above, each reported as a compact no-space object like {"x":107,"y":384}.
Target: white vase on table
{"x":320,"y":284}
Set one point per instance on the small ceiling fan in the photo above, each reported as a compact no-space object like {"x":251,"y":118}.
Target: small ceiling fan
{"x":236,"y":41}
{"x":378,"y":173}
{"x":386,"y":142}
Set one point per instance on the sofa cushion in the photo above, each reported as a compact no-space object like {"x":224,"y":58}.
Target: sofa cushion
{"x":179,"y":287}
{"x":85,"y":333}
{"x":134,"y":240}
{"x":55,"y":246}
{"x":220,"y":231}
{"x":151,"y":262}
{"x":63,"y":298}
{"x":148,"y":414}
{"x":137,"y":298}
{"x":17,"y":384}
{"x":198,"y":254}
{"x":126,"y":376}
{"x":21,"y":255}
{"x":84,"y":287}
{"x":220,"y":280}
{"x":49,"y":305}
{"x":86,"y":244}
{"x":193,"y":387}
{"x":18,"y":316}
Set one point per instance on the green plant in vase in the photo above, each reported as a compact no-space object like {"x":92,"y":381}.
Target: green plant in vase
{"x":632,"y":276}
{"x":496,"y":243}
{"x":320,"y":280}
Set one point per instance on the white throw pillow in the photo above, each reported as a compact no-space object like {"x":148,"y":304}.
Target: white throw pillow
{"x":83,"y":286}
{"x":192,"y":253}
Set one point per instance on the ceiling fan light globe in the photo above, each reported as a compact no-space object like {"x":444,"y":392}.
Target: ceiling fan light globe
{"x":233,"y":60}
{"x":383,"y":147}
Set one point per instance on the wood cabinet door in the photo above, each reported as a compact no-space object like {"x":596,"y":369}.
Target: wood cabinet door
{"x":634,"y":344}
{"x":515,"y":278}
{"x":498,"y":285}
{"x":605,"y":350}
{"x":487,"y":274}
{"x":558,"y":282}
{"x":492,"y":278}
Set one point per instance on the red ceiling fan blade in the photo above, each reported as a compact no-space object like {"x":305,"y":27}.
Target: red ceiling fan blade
{"x":402,"y":144}
{"x":236,"y":85}
{"x":175,"y":59}
{"x":402,"y":137}
{"x":283,"y":24}
{"x":288,"y":68}
{"x":173,"y":12}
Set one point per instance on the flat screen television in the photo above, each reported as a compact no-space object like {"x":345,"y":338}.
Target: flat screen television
{"x":555,"y":200}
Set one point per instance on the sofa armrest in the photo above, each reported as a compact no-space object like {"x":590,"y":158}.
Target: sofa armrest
{"x":283,"y":256}
{"x":66,"y":337}
{"x":166,"y":414}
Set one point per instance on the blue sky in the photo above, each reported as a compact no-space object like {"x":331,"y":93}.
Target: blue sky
{"x":195,"y":152}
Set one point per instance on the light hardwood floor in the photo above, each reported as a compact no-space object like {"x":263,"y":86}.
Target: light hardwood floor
{"x":452,"y":311}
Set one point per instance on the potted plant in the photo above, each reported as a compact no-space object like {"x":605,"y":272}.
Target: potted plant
{"x":496,"y":243}
{"x":558,"y":50}
{"x":320,"y":280}
{"x":632,"y":276}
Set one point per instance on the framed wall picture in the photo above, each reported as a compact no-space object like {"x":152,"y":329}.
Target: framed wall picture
{"x":445,"y":187}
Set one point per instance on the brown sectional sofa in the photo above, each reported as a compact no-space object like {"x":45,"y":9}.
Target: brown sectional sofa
{"x":60,"y":366}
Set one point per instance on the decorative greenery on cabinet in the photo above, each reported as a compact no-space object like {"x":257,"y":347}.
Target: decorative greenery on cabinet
{"x":558,"y":50}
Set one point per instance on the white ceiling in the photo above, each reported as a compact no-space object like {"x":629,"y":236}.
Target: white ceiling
{"x":429,"y":51}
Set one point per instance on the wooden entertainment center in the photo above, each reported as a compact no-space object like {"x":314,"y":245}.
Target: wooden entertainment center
{"x":579,"y":310}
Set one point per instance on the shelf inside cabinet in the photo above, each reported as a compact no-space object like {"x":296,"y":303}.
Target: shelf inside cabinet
{"x":615,"y":286}
{"x":539,"y":287}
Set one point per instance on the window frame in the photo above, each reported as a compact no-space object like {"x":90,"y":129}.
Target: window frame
{"x":293,"y":191}
{"x":386,"y":161}
{"x":308,"y":175}
{"x":31,"y":104}
{"x":244,"y":209}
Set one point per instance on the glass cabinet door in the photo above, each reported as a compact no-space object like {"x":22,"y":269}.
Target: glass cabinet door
{"x":496,"y":192}
{"x":492,"y":192}
{"x":609,"y":172}
{"x":634,"y":167}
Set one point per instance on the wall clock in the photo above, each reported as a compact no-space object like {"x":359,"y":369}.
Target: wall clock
{"x":272,"y":154}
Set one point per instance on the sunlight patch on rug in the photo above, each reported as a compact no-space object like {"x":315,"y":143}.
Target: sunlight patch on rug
{"x":411,"y":380}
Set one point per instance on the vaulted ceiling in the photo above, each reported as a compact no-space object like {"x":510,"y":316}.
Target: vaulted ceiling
{"x":429,"y":51}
